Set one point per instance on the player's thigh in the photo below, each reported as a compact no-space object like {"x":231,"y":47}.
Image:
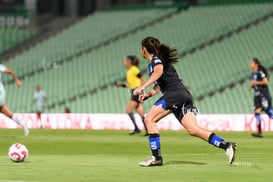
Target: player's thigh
{"x":258,"y":110}
{"x":131,"y":106}
{"x":156,"y":113}
{"x":189,"y":122}
{"x":258,"y":104}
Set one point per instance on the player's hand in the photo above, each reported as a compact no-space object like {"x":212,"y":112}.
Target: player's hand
{"x":18,"y":83}
{"x":144,"y":96}
{"x":138,"y":91}
{"x":118,"y":84}
{"x":253,"y":82}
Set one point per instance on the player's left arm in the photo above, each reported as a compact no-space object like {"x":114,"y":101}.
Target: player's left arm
{"x":155,"y":90}
{"x":44,"y":98}
{"x":14,"y":76}
{"x":141,"y":77}
{"x":263,"y":82}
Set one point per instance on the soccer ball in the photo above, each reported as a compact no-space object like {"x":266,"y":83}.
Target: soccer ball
{"x":18,"y":152}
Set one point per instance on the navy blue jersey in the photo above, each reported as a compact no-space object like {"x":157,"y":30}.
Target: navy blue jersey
{"x":259,"y":90}
{"x":169,"y":80}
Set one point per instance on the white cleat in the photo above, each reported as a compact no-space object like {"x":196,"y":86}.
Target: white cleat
{"x":230,"y":152}
{"x":151,"y":161}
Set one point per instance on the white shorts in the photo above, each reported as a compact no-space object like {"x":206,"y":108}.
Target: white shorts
{"x":39,"y":107}
{"x":2,"y":95}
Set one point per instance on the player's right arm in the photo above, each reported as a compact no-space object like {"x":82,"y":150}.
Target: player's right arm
{"x":142,"y":80}
{"x":33,"y":101}
{"x":264,"y":81}
{"x":14,"y":76}
{"x":121,"y":84}
{"x":250,"y":87}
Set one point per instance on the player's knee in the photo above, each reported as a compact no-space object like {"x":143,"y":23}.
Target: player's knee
{"x":148,"y":120}
{"x":9,"y":115}
{"x":192,"y":132}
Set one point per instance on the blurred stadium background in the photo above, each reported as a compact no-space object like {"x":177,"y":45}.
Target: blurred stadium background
{"x":74,"y":49}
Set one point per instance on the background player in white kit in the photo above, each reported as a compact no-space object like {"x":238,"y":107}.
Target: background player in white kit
{"x":3,"y":107}
{"x":39,"y":99}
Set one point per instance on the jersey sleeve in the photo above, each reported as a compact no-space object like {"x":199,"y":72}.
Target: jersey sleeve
{"x":262,"y":74}
{"x":2,"y":68}
{"x":157,"y":61}
{"x":139,"y":75}
{"x":135,"y":71}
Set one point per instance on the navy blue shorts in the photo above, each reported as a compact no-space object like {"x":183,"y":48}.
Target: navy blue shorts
{"x":263,"y":102}
{"x":179,"y":102}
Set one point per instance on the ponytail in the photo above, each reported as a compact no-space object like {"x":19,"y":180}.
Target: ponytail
{"x":261,"y":67}
{"x":166,"y":53}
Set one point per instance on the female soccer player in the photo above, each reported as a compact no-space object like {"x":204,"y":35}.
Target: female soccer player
{"x":3,"y":107}
{"x":176,"y":99}
{"x":39,"y":98}
{"x":262,"y":99}
{"x":134,"y":79}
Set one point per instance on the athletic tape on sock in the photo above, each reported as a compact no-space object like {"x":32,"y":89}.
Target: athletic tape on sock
{"x":154,"y":142}
{"x":215,"y":140}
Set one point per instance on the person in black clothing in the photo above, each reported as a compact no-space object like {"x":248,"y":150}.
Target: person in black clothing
{"x":176,"y":99}
{"x":262,"y":99}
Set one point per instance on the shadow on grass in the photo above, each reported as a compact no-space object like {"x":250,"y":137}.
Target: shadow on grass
{"x":185,"y":163}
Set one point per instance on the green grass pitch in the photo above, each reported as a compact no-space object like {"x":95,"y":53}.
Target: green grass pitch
{"x":76,"y":155}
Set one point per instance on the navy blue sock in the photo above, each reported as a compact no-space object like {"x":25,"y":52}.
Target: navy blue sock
{"x":154,"y":141}
{"x":217,"y":141}
{"x":269,"y":112}
{"x":258,"y":120}
{"x":131,"y":115}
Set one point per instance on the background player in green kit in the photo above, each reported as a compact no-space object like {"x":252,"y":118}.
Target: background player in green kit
{"x":3,"y":107}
